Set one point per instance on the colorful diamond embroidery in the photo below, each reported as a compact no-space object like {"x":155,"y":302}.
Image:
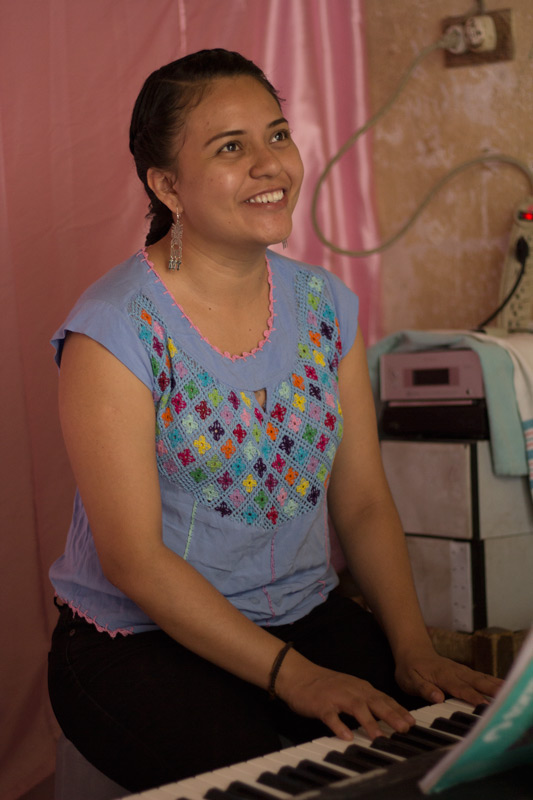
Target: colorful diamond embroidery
{"x":257,"y":467}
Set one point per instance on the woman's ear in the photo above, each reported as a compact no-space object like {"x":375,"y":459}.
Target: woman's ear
{"x":162,"y":184}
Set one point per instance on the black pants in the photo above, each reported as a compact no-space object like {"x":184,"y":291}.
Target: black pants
{"x":146,"y":711}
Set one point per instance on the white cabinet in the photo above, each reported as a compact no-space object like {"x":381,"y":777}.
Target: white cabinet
{"x":469,"y":533}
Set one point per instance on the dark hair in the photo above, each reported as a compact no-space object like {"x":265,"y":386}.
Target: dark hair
{"x":161,"y":108}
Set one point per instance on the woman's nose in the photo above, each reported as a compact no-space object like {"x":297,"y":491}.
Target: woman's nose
{"x":264,"y":162}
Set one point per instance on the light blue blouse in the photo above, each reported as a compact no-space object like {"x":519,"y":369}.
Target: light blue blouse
{"x":243,"y":488}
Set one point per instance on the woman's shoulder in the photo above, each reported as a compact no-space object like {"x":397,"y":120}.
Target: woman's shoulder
{"x":120,"y":283}
{"x":286,"y":269}
{"x":103,"y":312}
{"x":345,"y":302}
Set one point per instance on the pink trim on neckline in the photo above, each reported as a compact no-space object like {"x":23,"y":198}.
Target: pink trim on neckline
{"x":270,"y":322}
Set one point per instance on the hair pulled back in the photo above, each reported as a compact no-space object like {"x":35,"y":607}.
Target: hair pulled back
{"x":160,"y":111}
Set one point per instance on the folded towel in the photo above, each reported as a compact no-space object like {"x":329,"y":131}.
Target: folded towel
{"x":507,"y":365}
{"x":519,"y":346}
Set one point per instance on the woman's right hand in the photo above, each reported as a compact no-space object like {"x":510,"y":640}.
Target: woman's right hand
{"x":314,"y":691}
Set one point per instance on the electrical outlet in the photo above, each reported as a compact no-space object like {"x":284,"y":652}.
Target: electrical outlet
{"x":504,"y":50}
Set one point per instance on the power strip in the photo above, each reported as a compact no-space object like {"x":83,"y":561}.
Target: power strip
{"x":518,"y":312}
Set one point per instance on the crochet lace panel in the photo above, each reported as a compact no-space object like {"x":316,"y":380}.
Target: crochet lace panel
{"x":260,"y":467}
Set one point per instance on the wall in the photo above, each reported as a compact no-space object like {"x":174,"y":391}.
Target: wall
{"x":445,"y":272}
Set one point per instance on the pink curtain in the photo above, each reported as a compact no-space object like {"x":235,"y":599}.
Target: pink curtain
{"x":71,"y":207}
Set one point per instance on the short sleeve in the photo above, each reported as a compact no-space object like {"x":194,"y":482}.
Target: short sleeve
{"x":347,"y":309}
{"x":111,"y":327}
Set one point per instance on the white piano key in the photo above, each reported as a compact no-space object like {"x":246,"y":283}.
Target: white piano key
{"x":441,"y":710}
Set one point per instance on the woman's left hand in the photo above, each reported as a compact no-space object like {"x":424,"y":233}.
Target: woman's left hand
{"x":431,"y":676}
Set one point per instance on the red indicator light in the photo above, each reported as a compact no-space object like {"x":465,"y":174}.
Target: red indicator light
{"x":527,"y":215}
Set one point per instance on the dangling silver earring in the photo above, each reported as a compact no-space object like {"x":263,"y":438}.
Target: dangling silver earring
{"x":284,"y":243}
{"x":176,"y":243}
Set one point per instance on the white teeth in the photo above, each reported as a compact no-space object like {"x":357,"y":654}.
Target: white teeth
{"x":268,"y":197}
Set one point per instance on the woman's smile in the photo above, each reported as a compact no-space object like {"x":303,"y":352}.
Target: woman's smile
{"x":268,"y":197}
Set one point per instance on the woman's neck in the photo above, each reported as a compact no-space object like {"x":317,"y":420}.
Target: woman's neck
{"x":222,"y":281}
{"x":228,"y":301}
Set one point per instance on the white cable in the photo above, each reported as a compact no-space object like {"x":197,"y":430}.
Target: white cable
{"x":445,"y":42}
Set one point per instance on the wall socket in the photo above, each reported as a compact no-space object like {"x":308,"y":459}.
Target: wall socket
{"x":504,"y":50}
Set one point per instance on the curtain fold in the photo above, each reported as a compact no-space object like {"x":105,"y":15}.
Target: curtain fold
{"x":72,"y":207}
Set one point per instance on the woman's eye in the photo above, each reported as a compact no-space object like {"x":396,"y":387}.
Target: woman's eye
{"x":229,"y":147}
{"x":281,"y":136}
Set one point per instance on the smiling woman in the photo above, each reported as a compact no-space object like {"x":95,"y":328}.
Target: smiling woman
{"x":216,"y":406}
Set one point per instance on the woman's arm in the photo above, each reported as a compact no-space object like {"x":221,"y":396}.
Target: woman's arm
{"x":370,"y":533}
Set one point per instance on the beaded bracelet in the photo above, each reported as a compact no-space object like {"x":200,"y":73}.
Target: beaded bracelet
{"x":276,"y":667}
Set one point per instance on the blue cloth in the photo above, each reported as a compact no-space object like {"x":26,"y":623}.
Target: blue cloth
{"x":243,"y":488}
{"x":506,"y":432}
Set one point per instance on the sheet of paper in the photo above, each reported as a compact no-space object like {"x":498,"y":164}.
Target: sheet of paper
{"x":503,"y":737}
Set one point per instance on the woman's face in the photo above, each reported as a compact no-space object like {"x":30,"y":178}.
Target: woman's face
{"x":239,"y":172}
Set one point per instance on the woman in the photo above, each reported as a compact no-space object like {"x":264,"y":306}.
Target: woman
{"x":190,"y":565}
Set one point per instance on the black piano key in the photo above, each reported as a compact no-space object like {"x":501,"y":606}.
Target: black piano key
{"x":480,"y":709}
{"x":286,"y":781}
{"x":464,"y":718}
{"x":449,"y":726}
{"x":396,"y":748}
{"x":370,"y":757}
{"x":427,"y":735}
{"x":282,"y":783}
{"x":237,"y":790}
{"x":357,"y":764}
{"x":320,"y":770}
{"x":304,"y":776}
{"x":414,"y":741}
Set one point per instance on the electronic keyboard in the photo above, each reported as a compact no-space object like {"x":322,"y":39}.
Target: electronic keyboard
{"x":329,"y":768}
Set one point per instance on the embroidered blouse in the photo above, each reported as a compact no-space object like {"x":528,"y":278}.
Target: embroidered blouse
{"x":243,"y":488}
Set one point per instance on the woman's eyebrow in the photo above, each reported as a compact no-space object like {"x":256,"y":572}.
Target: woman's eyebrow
{"x":224,"y":134}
